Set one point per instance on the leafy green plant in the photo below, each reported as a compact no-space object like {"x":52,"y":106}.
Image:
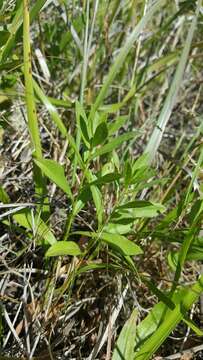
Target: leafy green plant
{"x":105,"y":172}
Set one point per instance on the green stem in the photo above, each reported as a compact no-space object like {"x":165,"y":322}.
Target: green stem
{"x":40,"y":186}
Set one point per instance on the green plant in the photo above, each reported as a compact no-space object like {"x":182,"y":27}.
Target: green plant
{"x":126,"y":198}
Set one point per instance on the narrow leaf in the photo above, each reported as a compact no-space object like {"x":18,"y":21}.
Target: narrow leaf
{"x":40,"y":185}
{"x":50,"y":108}
{"x":139,"y":208}
{"x":42,"y":231}
{"x":117,"y":124}
{"x":55,"y":172}
{"x":122,"y":244}
{"x":114,"y":143}
{"x":171,"y":98}
{"x":148,"y":345}
{"x":119,"y":61}
{"x":100,"y":135}
{"x":124,"y":348}
{"x":193,"y":326}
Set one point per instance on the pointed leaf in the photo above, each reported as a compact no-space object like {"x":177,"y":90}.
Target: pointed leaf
{"x":25,"y":219}
{"x":193,"y":326}
{"x":171,"y":97}
{"x":62,"y":248}
{"x":100,"y":135}
{"x":122,"y":244}
{"x":124,"y":348}
{"x":138,"y":209}
{"x":50,"y":108}
{"x":114,"y":143}
{"x":55,"y":172}
{"x":120,"y":59}
{"x":84,"y":132}
{"x":117,"y":124}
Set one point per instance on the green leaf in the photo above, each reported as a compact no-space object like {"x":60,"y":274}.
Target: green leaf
{"x":141,"y":162}
{"x":4,"y":35}
{"x":57,"y":120}
{"x":114,"y":143}
{"x":147,"y":344}
{"x":4,"y":198}
{"x":193,"y":326}
{"x":138,"y":209}
{"x":16,"y":25}
{"x":158,"y":324}
{"x":121,"y":243}
{"x":55,"y":172}
{"x":51,"y":108}
{"x":100,"y":135}
{"x":121,"y":229}
{"x":33,"y":126}
{"x":160,"y":295}
{"x":86,"y":192}
{"x":82,"y":125}
{"x":117,"y":124}
{"x":97,"y":198}
{"x":36,"y":224}
{"x":173,"y":260}
{"x":171,"y":97}
{"x":62,"y":248}
{"x":84,"y":132}
{"x":127,"y":173}
{"x":120,"y":59}
{"x":108,"y":178}
{"x":124,"y":348}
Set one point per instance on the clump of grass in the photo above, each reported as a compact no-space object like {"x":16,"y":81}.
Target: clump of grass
{"x":99,"y":104}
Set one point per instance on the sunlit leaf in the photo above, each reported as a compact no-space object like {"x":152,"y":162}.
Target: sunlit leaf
{"x":54,"y":172}
{"x":36,"y":225}
{"x":62,"y":248}
{"x":113,"y":144}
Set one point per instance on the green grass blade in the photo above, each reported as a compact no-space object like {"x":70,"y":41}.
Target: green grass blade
{"x":172,"y":318}
{"x":30,"y":104}
{"x":29,"y":93}
{"x":51,"y":108}
{"x":119,"y":61}
{"x":58,"y":122}
{"x":195,"y":174}
{"x":171,"y":98}
{"x":16,"y":23}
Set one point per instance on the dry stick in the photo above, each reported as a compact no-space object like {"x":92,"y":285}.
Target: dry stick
{"x":192,"y":350}
{"x":10,"y":325}
{"x":111,"y":323}
{"x":108,"y":350}
{"x":14,"y":321}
